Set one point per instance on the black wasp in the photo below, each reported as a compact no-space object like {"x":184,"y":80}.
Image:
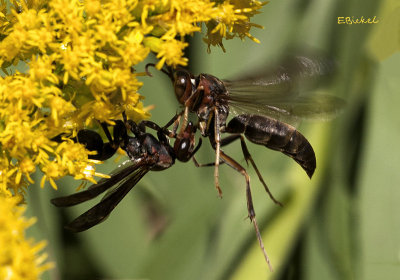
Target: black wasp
{"x":146,"y":153}
{"x":262,"y":106}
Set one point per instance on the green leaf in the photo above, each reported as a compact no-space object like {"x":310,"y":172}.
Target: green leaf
{"x":380,"y":178}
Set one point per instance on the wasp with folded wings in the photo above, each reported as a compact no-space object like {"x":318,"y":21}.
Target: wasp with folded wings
{"x":146,"y":153}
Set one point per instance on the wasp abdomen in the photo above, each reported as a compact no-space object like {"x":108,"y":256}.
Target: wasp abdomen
{"x":275,"y":135}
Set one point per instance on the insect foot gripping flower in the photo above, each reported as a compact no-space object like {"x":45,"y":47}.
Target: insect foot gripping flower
{"x":20,"y":258}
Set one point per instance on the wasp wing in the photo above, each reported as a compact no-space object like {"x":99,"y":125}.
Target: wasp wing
{"x":292,"y":73}
{"x":284,"y":92}
{"x":291,"y":108}
{"x":96,"y":189}
{"x":100,"y":211}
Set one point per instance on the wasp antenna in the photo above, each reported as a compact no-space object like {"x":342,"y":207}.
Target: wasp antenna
{"x":124,"y":117}
{"x":168,"y":71}
{"x":146,"y":68}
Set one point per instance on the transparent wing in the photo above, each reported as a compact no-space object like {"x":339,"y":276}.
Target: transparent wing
{"x":282,"y":78}
{"x":285,"y":92}
{"x":291,"y":108}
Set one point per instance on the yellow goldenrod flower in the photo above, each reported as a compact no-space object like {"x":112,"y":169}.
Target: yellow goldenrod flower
{"x":20,"y":258}
{"x":171,"y":52}
{"x":131,"y":49}
{"x":92,"y":7}
{"x":232,"y":19}
{"x":41,"y":69}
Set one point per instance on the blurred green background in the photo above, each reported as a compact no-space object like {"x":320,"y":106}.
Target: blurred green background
{"x":342,"y":224}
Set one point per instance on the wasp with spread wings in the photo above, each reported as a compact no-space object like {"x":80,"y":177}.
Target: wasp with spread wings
{"x":263,"y":106}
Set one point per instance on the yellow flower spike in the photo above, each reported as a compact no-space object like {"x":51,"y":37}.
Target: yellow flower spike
{"x":254,"y":39}
{"x":11,"y":172}
{"x":59,"y":107}
{"x":43,"y":181}
{"x":65,"y":78}
{"x":40,"y":38}
{"x":27,"y":167}
{"x":12,"y":44}
{"x":53,"y":183}
{"x":92,"y":7}
{"x":18,"y":178}
{"x":131,"y":48}
{"x":103,"y":111}
{"x":71,"y":60}
{"x":91,"y":70}
{"x":70,"y":13}
{"x":171,"y":52}
{"x":43,"y":143}
{"x":41,"y":68}
{"x":153,"y":43}
{"x":29,"y":19}
{"x":104,"y":34}
{"x":20,"y":257}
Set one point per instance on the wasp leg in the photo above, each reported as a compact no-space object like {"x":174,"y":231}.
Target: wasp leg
{"x":196,"y":149}
{"x":175,"y":121}
{"x":109,"y":149}
{"x":247,"y":157}
{"x":163,"y":131}
{"x":197,"y":164}
{"x":250,"y":208}
{"x":217,"y":139}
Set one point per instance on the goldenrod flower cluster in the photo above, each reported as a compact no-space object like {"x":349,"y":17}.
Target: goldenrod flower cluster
{"x":20,"y":259}
{"x":69,"y":64}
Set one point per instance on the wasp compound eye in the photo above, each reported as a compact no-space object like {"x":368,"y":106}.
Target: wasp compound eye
{"x":182,"y":86}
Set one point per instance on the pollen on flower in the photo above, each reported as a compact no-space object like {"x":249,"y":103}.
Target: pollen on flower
{"x":89,"y":171}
